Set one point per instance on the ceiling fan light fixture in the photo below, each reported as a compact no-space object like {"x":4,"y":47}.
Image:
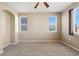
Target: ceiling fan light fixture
{"x":45,"y":3}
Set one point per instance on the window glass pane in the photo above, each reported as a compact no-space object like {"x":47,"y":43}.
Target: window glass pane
{"x":52,"y":23}
{"x":52,"y":20}
{"x":23,"y":20}
{"x":77,"y":21}
{"x":52,"y":27}
{"x":23,"y":27}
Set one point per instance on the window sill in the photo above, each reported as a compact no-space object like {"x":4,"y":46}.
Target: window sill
{"x":53,"y":31}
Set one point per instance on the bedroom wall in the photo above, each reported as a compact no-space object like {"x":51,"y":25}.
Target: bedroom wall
{"x":14,"y":17}
{"x":38,"y":28}
{"x":72,"y":40}
{"x":4,"y":29}
{"x":5,"y":38}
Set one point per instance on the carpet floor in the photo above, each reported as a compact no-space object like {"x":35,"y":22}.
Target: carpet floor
{"x":39,"y":49}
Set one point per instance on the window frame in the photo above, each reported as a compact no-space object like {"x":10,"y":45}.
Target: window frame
{"x":71,"y":22}
{"x":74,"y":20}
{"x":56,"y":25}
{"x":23,"y":24}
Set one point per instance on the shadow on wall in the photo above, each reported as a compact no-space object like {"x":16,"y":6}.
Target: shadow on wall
{"x":12,"y":26}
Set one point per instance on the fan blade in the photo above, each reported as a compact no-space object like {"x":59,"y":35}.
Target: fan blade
{"x":36,"y":5}
{"x":46,"y":4}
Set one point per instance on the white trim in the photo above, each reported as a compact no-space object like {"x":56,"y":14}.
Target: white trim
{"x":56,"y":24}
{"x":8,"y":45}
{"x":22,"y":24}
{"x":1,"y":50}
{"x":73,"y":22}
{"x":70,"y":46}
{"x":5,"y":45}
{"x":53,"y":31}
{"x":14,"y":43}
{"x":39,"y":40}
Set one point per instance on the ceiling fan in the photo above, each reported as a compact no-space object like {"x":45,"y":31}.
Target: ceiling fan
{"x":45,"y":3}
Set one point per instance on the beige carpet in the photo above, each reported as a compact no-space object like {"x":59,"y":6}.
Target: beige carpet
{"x":39,"y":49}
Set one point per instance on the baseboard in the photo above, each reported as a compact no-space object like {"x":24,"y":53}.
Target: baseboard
{"x":14,"y":43}
{"x":1,"y":50}
{"x":70,"y":46}
{"x":5,"y":45}
{"x":8,"y":45}
{"x":39,"y":40}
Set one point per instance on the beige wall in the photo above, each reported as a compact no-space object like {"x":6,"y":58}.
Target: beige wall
{"x":4,"y":6}
{"x":8,"y":33}
{"x":4,"y":29}
{"x":38,"y":28}
{"x":13,"y":36}
{"x":72,"y":40}
{"x":12,"y":28}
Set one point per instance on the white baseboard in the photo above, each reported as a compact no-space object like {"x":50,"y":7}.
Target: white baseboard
{"x":8,"y":45}
{"x":39,"y":40}
{"x":14,"y":43}
{"x":5,"y":45}
{"x":1,"y":50}
{"x":70,"y":46}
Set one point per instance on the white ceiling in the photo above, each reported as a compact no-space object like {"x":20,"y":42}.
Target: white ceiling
{"x":28,"y":7}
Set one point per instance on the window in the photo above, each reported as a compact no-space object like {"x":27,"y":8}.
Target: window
{"x":53,"y":24}
{"x":76,"y":20}
{"x":23,"y":23}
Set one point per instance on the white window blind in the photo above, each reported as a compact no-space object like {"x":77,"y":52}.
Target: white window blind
{"x":23,"y":23}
